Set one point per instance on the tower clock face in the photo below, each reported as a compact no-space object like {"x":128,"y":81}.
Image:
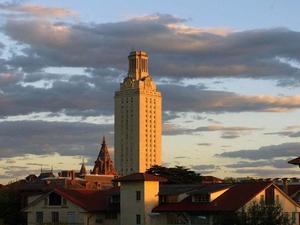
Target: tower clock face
{"x":129,"y":82}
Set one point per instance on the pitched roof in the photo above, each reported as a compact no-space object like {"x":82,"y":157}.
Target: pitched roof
{"x":295,"y":161}
{"x":140,"y":177}
{"x":175,"y":189}
{"x":231,"y":200}
{"x":91,"y":201}
{"x":293,"y":189}
{"x":207,"y":189}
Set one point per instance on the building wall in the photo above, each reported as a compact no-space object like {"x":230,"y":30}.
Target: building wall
{"x":127,"y":132}
{"x":100,"y":219}
{"x":131,"y":207}
{"x":137,"y":120}
{"x":63,"y":210}
{"x":99,"y":182}
{"x":150,"y":129}
{"x":288,"y":206}
{"x":151,"y":199}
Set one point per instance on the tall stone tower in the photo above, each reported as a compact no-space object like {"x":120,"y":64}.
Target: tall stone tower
{"x":137,"y":119}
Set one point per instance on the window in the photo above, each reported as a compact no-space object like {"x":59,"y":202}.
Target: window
{"x":138,"y":219}
{"x":138,"y":195}
{"x":115,"y":199}
{"x":277,"y":199}
{"x":262,"y":197}
{"x":55,"y":217}
{"x":269,"y":196}
{"x":111,"y":215}
{"x":99,"y":219}
{"x":201,"y":198}
{"x":39,"y":217}
{"x":294,"y":217}
{"x":162,"y":199}
{"x":71,"y":217}
{"x":54,"y":199}
{"x":64,"y":201}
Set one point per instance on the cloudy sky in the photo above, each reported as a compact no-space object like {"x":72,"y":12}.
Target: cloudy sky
{"x":229,"y":73}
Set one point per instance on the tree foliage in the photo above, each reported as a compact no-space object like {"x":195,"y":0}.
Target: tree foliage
{"x":256,"y":214}
{"x":10,"y":206}
{"x":176,"y":175}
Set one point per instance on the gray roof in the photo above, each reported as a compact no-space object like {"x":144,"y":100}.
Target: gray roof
{"x":176,"y":189}
{"x":211,"y":188}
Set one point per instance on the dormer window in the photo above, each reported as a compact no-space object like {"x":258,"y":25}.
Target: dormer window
{"x":54,"y":199}
{"x":204,"y":198}
{"x":115,"y":199}
{"x":162,"y":199}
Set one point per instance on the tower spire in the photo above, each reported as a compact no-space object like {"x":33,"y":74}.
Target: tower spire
{"x":82,"y":171}
{"x":103,"y":164}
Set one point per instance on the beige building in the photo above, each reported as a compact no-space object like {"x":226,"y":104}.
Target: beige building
{"x":138,"y":197}
{"x":137,"y":119}
{"x":80,"y":207}
{"x":144,"y":199}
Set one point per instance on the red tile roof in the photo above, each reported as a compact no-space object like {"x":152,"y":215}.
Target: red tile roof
{"x":91,"y":201}
{"x":140,"y":177}
{"x":232,"y":200}
{"x":295,"y":161}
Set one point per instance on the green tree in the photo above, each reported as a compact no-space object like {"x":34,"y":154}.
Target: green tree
{"x":256,"y":214}
{"x":176,"y":175}
{"x":10,"y":206}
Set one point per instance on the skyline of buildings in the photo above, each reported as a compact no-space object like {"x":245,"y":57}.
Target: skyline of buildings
{"x":229,"y":75}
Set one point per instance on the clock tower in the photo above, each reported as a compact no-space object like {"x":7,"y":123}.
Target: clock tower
{"x":138,"y":121}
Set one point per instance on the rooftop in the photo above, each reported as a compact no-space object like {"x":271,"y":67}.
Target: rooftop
{"x":91,"y":201}
{"x":233,"y":199}
{"x":295,"y":161}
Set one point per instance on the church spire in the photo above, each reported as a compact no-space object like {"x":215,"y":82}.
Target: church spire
{"x":103,"y":164}
{"x":82,"y":171}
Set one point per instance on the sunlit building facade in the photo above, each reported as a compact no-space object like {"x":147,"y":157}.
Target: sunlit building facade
{"x":137,"y":119}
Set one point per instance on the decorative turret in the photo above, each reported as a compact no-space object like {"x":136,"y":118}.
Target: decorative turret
{"x":82,"y":171}
{"x":103,"y":163}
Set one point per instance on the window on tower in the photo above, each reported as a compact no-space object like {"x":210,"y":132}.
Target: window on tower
{"x":138,"y":195}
